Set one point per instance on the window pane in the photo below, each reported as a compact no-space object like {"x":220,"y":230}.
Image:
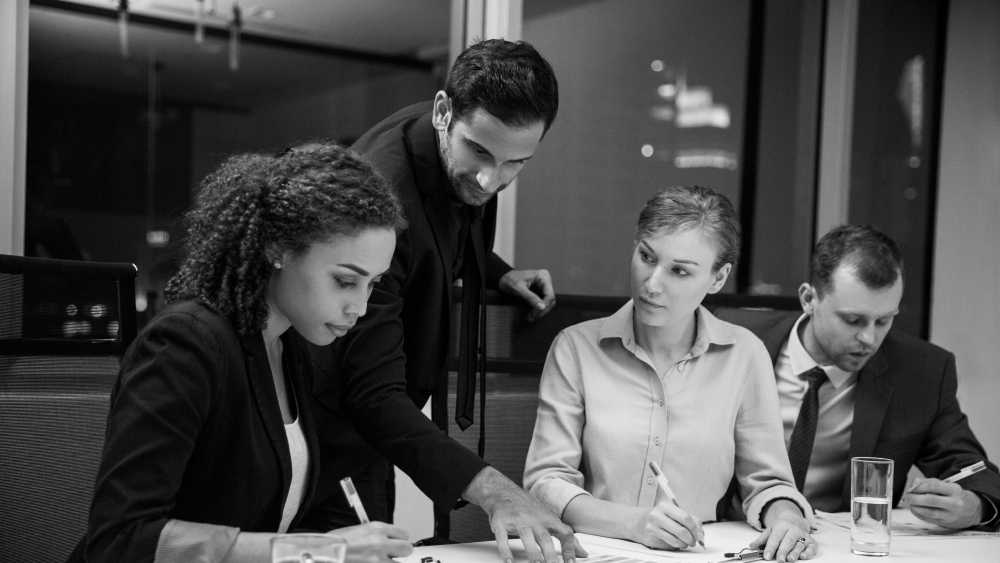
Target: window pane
{"x":117,"y":145}
{"x":651,"y":95}
{"x":894,"y":145}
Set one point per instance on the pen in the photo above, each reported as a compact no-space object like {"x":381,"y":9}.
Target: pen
{"x":966,"y":471}
{"x":962,"y":474}
{"x":353,"y":499}
{"x":665,"y":486}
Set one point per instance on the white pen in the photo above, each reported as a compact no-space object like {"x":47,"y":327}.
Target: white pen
{"x":966,"y":471}
{"x":962,"y":474}
{"x":665,"y":486}
{"x":353,"y":499}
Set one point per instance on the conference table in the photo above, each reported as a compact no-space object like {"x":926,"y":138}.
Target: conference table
{"x":722,"y":537}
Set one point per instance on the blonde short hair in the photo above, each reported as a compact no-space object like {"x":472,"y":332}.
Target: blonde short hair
{"x":678,"y":208}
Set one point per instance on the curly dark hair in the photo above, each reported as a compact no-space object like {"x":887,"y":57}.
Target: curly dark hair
{"x":285,"y":202}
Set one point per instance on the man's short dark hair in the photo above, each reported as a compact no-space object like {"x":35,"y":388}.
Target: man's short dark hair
{"x":508,"y":79}
{"x":872,"y":255}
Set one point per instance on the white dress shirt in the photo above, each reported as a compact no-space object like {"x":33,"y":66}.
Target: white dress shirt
{"x":604,"y":413}
{"x":827,"y":467}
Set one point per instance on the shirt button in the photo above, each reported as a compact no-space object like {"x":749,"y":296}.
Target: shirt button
{"x":656,"y":441}
{"x":660,"y":402}
{"x":680,"y":367}
{"x":649,"y":480}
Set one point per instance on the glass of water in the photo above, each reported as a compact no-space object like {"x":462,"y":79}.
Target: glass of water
{"x":871,"y":505}
{"x":307,"y":548}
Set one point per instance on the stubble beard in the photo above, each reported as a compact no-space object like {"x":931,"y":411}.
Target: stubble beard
{"x":463,"y":186}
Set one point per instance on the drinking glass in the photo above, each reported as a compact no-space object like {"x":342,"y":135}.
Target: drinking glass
{"x":307,"y":548}
{"x":871,"y":505}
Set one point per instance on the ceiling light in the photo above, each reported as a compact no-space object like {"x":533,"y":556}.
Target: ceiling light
{"x":259,"y":12}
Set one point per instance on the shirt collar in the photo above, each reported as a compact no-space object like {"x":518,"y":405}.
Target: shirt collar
{"x":801,"y":361}
{"x":710,"y":330}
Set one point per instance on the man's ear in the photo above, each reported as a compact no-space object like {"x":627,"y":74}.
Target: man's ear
{"x":807,"y":297}
{"x":441,"y":111}
{"x":720,"y":278}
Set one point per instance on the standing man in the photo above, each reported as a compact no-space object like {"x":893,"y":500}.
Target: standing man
{"x":447,"y":160}
{"x":849,"y":386}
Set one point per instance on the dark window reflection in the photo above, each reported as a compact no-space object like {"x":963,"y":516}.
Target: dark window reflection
{"x":117,"y":145}
{"x":895,"y":136}
{"x":651,"y":95}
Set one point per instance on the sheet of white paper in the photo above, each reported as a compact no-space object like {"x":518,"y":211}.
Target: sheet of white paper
{"x":602,"y":555}
{"x":720,"y":538}
{"x":904,"y":526}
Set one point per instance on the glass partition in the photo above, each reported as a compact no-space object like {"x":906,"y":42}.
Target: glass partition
{"x":117,"y":144}
{"x":651,"y":94}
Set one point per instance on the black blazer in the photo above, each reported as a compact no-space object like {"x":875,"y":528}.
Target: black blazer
{"x":195,"y":433}
{"x":371,"y":379}
{"x":906,"y":407}
{"x":413,"y":301}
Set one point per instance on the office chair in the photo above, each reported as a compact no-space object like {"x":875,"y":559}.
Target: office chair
{"x":516,"y":352}
{"x":63,"y":328}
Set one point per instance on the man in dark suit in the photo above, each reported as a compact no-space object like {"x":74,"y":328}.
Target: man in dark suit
{"x":447,"y":159}
{"x":878,"y":392}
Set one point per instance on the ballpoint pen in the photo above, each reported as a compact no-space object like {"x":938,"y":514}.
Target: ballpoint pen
{"x":353,"y":499}
{"x":966,"y":471}
{"x":665,"y":486}
{"x":962,"y":474}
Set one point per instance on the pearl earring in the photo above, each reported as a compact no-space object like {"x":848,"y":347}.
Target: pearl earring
{"x":276,"y":264}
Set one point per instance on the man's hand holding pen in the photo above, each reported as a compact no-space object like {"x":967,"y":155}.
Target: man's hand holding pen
{"x":945,"y":504}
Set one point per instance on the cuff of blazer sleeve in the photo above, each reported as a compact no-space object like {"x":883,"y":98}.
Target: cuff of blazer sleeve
{"x":756,"y":505}
{"x":496,"y":268}
{"x":556,"y":493}
{"x":991,"y":518}
{"x":457,"y":477}
{"x":193,"y":542}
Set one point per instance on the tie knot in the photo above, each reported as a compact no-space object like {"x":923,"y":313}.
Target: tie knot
{"x":816,"y":376}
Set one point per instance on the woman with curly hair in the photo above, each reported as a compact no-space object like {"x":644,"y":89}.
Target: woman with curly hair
{"x":211,"y":447}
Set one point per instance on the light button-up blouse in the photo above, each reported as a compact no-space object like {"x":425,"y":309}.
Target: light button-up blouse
{"x":604,"y":413}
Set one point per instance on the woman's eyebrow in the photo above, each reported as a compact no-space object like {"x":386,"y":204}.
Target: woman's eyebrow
{"x":355,"y":268}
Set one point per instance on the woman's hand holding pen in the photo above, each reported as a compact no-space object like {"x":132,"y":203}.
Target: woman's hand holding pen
{"x":786,"y":533}
{"x":667,"y":526}
{"x":375,"y":542}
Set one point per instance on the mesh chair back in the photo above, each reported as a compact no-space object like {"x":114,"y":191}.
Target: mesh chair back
{"x":516,"y":352}
{"x":63,"y":328}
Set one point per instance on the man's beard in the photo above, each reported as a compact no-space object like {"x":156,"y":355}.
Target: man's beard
{"x":465,"y":187}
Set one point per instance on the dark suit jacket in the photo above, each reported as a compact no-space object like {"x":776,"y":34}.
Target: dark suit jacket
{"x":195,"y":433}
{"x":905,"y":410}
{"x":400,"y":346}
{"x":413,"y":301}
